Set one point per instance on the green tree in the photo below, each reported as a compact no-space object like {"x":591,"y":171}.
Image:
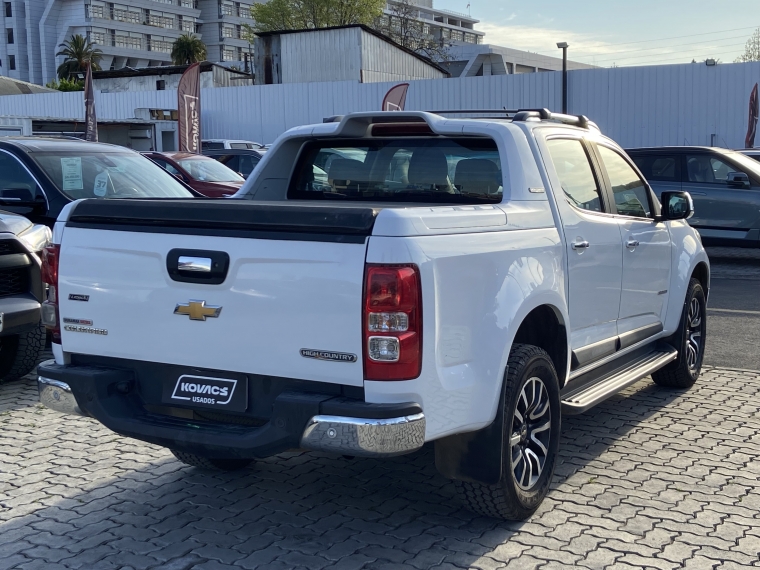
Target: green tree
{"x":79,"y":52}
{"x":308,"y":14}
{"x":188,"y":49}
{"x":751,"y":49}
{"x":64,"y":84}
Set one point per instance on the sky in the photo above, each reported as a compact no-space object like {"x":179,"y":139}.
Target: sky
{"x":618,"y":32}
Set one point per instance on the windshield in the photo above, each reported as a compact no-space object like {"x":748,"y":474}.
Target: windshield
{"x":466,"y":170}
{"x":208,"y":170}
{"x":108,"y":175}
{"x":749,"y":166}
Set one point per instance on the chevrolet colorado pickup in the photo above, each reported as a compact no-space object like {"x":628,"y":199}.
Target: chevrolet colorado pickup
{"x":382,"y":281}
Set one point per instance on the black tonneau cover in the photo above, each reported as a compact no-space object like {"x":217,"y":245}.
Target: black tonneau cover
{"x":230,"y":217}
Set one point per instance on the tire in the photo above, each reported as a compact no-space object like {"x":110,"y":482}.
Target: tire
{"x":689,"y":340}
{"x":209,"y":463}
{"x":520,"y":492}
{"x":19,"y":354}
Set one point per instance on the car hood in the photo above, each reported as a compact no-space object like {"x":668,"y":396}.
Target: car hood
{"x":13,"y":223}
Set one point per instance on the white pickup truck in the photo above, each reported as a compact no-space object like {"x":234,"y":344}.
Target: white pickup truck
{"x":382,"y":281}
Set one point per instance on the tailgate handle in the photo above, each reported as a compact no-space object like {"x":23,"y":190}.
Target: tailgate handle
{"x":200,"y":264}
{"x":197,"y":266}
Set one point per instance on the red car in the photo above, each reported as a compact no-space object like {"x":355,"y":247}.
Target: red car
{"x":203,"y":174}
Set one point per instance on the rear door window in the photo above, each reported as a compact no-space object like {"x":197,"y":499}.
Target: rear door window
{"x":659,"y":168}
{"x":573,"y":167}
{"x":437,"y":170}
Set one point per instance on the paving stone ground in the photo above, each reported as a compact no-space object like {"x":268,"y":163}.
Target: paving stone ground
{"x":652,"y":478}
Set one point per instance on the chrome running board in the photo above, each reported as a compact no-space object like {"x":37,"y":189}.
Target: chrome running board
{"x":576,"y":400}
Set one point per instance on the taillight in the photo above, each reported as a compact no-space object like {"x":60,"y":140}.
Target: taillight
{"x":392,"y":322}
{"x":50,"y":277}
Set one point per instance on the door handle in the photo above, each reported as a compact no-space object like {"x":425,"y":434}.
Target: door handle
{"x":580,"y":245}
{"x":632,"y":243}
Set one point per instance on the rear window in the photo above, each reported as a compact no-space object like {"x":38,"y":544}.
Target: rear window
{"x":437,"y":170}
{"x":211,"y":145}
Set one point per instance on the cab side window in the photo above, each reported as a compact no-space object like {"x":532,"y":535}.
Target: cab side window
{"x":575,"y":174}
{"x":15,"y":181}
{"x":628,"y":189}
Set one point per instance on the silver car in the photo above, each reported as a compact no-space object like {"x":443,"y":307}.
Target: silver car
{"x":724,"y":184}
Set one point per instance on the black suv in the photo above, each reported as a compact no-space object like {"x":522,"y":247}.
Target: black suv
{"x":39,"y":176}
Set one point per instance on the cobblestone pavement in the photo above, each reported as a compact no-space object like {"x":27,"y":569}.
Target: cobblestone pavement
{"x":652,"y":478}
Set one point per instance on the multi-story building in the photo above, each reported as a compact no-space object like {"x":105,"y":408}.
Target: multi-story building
{"x":437,"y":24}
{"x":132,"y":33}
{"x":223,"y":30}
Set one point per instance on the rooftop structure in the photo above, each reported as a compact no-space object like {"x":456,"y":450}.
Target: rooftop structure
{"x":468,"y":60}
{"x":438,"y":24}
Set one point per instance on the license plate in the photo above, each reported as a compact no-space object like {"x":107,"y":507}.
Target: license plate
{"x":208,"y":392}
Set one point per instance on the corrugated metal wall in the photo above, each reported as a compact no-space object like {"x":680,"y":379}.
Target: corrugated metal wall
{"x":382,"y":64}
{"x":325,"y":55}
{"x":662,"y":105}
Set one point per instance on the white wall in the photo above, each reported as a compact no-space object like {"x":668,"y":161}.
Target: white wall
{"x":663,"y":105}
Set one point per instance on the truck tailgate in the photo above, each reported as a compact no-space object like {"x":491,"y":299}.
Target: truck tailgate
{"x":290,"y":304}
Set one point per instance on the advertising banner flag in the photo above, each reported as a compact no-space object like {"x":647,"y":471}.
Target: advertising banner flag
{"x":395,"y":99}
{"x":189,"y":109}
{"x":90,"y":119}
{"x":754,"y":111}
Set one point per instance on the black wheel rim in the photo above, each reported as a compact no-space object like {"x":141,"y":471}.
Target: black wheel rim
{"x":694,"y":342}
{"x":530,"y":434}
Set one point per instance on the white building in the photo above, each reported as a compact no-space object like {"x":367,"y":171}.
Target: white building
{"x":135,"y":33}
{"x":437,"y":24}
{"x":468,"y":60}
{"x":223,"y":30}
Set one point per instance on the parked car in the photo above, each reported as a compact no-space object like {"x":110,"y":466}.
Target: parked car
{"x":39,"y":176}
{"x":724,"y":185}
{"x":221,"y":144}
{"x":22,"y":335}
{"x":242,"y":161}
{"x":369,"y":312}
{"x":201,"y":173}
{"x":752,"y":153}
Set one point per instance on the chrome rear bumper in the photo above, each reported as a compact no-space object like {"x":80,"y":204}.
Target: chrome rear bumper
{"x":364,"y":436}
{"x":57,"y":396}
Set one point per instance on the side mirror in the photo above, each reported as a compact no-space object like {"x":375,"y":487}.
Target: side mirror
{"x":677,"y":206}
{"x":738,"y":180}
{"x":21,"y":197}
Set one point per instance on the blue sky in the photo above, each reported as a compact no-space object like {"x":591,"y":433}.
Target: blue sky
{"x":640,"y":32}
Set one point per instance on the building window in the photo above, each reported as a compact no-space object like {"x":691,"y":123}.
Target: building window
{"x":98,"y":37}
{"x":124,"y":14}
{"x":161,"y":85}
{"x":228,"y":32}
{"x":160,"y":20}
{"x":8,"y":10}
{"x":226,"y":8}
{"x":10,"y":35}
{"x":160,"y":44}
{"x":244,"y":11}
{"x":187,"y":24}
{"x":228,"y":54}
{"x":187,"y":3}
{"x":12,"y":62}
{"x":130,"y":42}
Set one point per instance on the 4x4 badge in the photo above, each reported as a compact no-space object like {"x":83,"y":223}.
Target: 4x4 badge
{"x":197,"y":310}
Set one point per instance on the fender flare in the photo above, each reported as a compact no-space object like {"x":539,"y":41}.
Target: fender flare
{"x":477,"y":456}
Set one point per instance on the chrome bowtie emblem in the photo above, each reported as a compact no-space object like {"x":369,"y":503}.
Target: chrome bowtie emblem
{"x":197,"y":310}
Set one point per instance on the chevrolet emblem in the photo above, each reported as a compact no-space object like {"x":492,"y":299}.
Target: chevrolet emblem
{"x":197,"y":310}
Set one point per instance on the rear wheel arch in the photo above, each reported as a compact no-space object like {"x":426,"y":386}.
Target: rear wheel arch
{"x":545,"y":328}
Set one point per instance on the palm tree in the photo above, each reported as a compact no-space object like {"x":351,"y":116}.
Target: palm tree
{"x":188,"y":49}
{"x":79,"y":52}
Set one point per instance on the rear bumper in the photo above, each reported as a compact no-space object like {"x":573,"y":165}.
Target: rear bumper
{"x":298,"y":419}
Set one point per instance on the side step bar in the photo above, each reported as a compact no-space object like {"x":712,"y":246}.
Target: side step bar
{"x":581,"y":399}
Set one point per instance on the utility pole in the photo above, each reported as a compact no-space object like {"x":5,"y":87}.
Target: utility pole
{"x":563,"y":46}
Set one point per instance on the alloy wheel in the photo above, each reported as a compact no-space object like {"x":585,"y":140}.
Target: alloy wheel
{"x":530,"y":433}
{"x":693,"y":334}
